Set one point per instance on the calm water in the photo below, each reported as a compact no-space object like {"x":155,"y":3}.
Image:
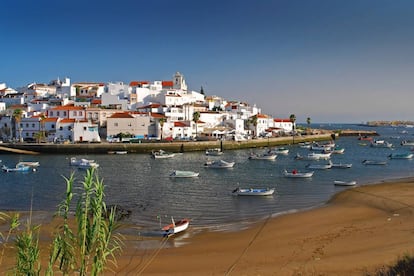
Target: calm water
{"x":141,"y":184}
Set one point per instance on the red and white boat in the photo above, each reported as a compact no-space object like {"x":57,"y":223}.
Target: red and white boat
{"x":175,"y":227}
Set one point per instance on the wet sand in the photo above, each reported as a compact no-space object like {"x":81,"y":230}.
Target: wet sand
{"x":357,"y":231}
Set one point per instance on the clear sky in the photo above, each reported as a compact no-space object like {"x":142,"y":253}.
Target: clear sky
{"x":331,"y":60}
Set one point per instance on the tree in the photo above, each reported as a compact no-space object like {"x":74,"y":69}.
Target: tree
{"x":17,"y":115}
{"x":253,"y":121}
{"x":202,"y":90}
{"x":196,"y":117}
{"x":162,"y":121}
{"x":292,"y":119}
{"x":308,"y":121}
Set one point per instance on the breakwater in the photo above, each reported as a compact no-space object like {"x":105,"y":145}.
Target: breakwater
{"x":147,"y":147}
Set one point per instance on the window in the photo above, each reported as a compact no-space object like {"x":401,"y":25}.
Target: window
{"x":60,"y":128}
{"x":64,"y":113}
{"x":116,"y":124}
{"x":74,"y":113}
{"x":52,"y":126}
{"x":33,"y":125}
{"x":27,"y":125}
{"x":58,"y":113}
{"x":69,"y":127}
{"x":84,"y":128}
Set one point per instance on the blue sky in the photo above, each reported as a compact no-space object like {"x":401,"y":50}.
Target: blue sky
{"x":331,"y":60}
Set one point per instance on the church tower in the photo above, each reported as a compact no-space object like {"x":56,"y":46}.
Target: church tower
{"x":179,"y":82}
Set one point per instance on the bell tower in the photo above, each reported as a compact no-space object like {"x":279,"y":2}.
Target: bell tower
{"x":179,"y":82}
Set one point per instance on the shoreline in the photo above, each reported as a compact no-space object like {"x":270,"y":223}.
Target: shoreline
{"x":357,"y":231}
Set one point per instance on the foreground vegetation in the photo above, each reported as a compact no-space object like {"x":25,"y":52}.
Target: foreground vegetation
{"x":85,"y":246}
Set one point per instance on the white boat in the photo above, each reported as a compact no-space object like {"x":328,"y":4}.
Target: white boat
{"x":319,"y":166}
{"x":253,"y":192}
{"x":380,"y":144}
{"x":344,"y":183}
{"x":307,"y":157}
{"x":322,"y":147}
{"x":401,"y":156}
{"x":374,"y":162}
{"x":118,"y":152}
{"x":320,"y":155}
{"x":297,"y":174}
{"x":218,"y":164}
{"x":32,"y":164}
{"x":341,"y":165}
{"x":87,"y":165}
{"x":407,"y":143}
{"x":264,"y":156}
{"x":183,"y":174}
{"x":305,"y":145}
{"x":161,"y":154}
{"x":175,"y":227}
{"x":282,"y":151}
{"x":76,"y":162}
{"x":214,"y":152}
{"x":18,"y":168}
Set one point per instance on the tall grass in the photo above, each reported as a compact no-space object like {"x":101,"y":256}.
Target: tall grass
{"x":82,"y":245}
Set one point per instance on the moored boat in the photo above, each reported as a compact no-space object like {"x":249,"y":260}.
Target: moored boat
{"x":18,"y":168}
{"x":380,"y":144}
{"x":32,"y":164}
{"x":264,"y":156}
{"x":253,"y":192}
{"x":161,"y":154}
{"x":297,"y":174}
{"x":175,"y":227}
{"x":214,"y":152}
{"x":218,"y":164}
{"x":401,"y":156}
{"x":319,"y":166}
{"x":374,"y":162}
{"x":76,"y":162}
{"x":183,"y":174}
{"x":341,"y":165}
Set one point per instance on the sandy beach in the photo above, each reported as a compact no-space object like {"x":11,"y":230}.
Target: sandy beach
{"x":357,"y":231}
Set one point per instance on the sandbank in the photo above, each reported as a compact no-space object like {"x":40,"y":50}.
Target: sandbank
{"x":359,"y":230}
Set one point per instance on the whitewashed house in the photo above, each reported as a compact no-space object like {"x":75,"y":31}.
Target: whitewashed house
{"x":84,"y":131}
{"x":135,"y":124}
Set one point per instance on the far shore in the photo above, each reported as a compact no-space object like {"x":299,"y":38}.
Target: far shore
{"x":358,"y":231}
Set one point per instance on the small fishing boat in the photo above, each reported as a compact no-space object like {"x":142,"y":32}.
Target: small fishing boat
{"x":32,"y":164}
{"x":76,"y":162}
{"x":319,"y":166}
{"x":341,"y":165}
{"x":175,"y":227}
{"x":264,"y":156}
{"x":297,"y":174}
{"x":380,"y":144}
{"x":344,"y":183}
{"x":121,"y":152}
{"x":183,"y":174}
{"x":253,"y":192}
{"x":18,"y":168}
{"x":161,"y":154}
{"x":282,"y":151}
{"x":214,"y":152}
{"x":374,"y":162}
{"x":218,"y":164}
{"x":401,"y":156}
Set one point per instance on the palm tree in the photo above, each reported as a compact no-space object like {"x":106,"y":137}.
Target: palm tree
{"x":253,"y":121}
{"x":308,"y":121}
{"x":196,"y":117}
{"x":17,"y":115}
{"x":162,"y":121}
{"x":292,"y":119}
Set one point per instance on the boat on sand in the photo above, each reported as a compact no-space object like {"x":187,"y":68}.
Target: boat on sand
{"x":175,"y":227}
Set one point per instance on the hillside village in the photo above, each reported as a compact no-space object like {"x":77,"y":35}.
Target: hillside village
{"x":65,"y":112}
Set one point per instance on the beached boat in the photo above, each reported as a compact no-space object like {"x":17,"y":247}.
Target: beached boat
{"x":344,"y":183}
{"x":32,"y":164}
{"x":214,"y":152}
{"x":341,"y":165}
{"x":401,"y":155}
{"x":297,"y":174}
{"x":374,"y":162}
{"x":319,"y":166}
{"x":183,"y":174}
{"x":175,"y":227}
{"x":218,"y":164}
{"x":161,"y":154}
{"x":253,"y":192}
{"x":264,"y":156}
{"x":18,"y":168}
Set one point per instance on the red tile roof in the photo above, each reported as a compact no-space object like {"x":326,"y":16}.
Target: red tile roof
{"x":282,"y":120}
{"x":121,"y":115}
{"x":180,"y":124}
{"x":68,"y":107}
{"x":138,"y":83}
{"x":157,"y":115}
{"x":167,"y":83}
{"x":67,"y":121}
